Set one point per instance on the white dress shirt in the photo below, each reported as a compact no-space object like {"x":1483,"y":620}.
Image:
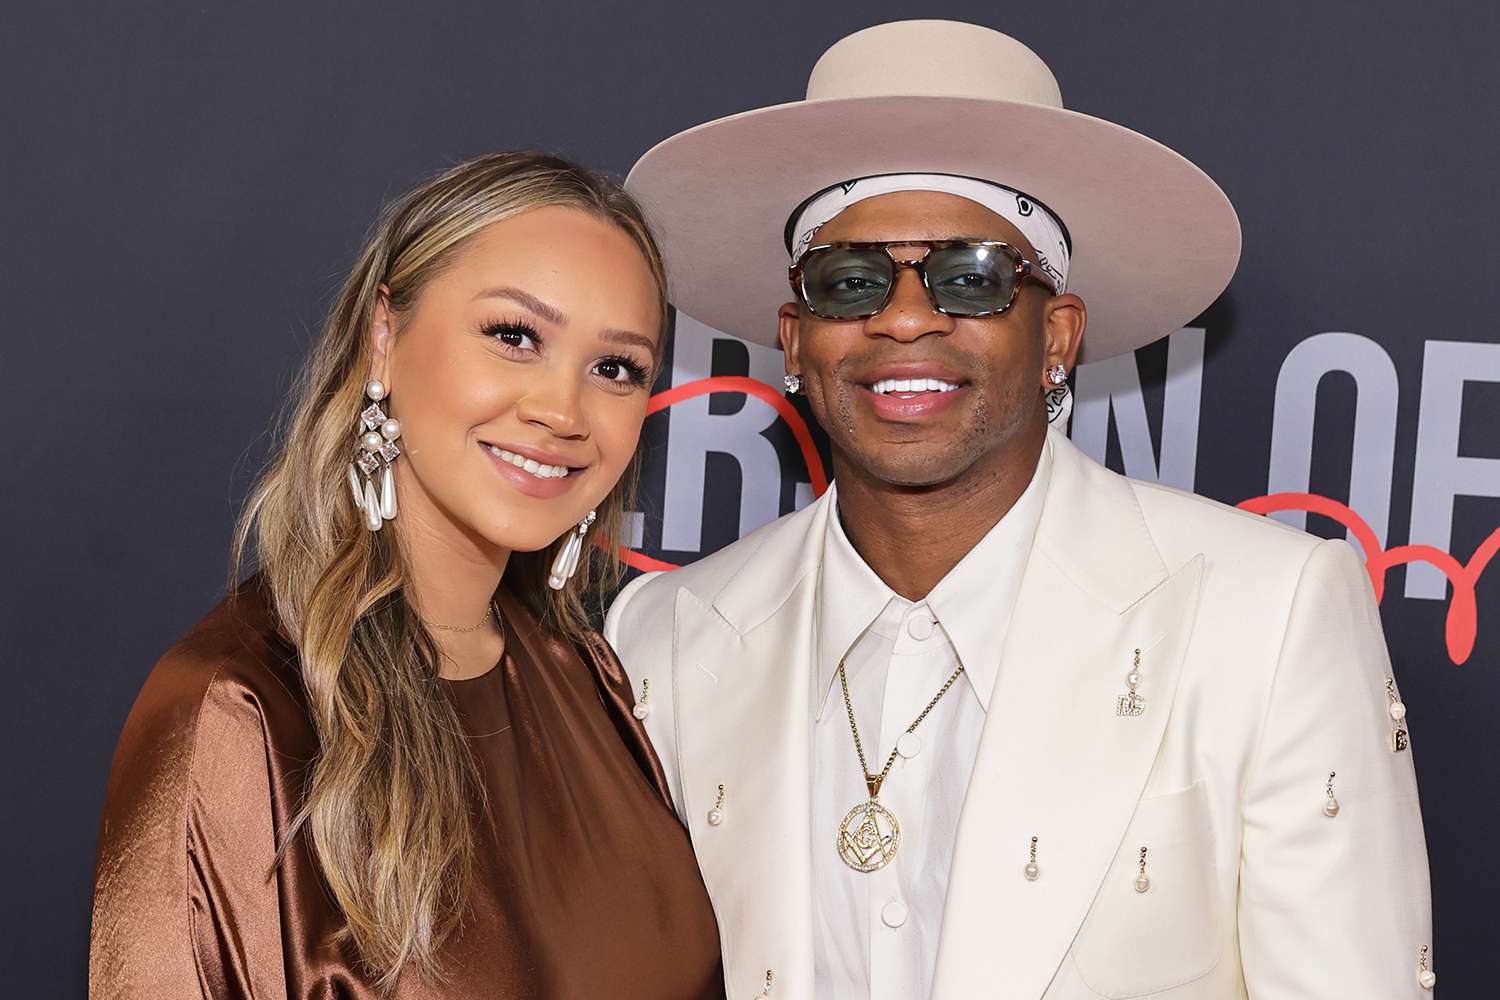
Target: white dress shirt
{"x":877,"y":932}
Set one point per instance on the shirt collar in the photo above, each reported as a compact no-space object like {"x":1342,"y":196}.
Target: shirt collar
{"x":852,"y":600}
{"x":972,"y":603}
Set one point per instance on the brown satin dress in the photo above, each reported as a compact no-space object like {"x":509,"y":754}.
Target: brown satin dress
{"x":586,"y":887}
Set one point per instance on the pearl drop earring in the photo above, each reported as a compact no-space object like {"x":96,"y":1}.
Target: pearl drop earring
{"x":376,"y":452}
{"x":565,"y":564}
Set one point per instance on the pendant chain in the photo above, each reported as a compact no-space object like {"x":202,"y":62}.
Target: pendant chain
{"x":874,"y":781}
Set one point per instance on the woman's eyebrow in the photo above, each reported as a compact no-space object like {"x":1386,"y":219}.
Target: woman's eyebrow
{"x":545,"y":310}
{"x":628,"y":337}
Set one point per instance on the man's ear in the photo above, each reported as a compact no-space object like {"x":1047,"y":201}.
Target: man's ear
{"x":788,"y":328}
{"x":380,"y":337}
{"x":1063,"y":319}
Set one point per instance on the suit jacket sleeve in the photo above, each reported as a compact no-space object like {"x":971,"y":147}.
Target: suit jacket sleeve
{"x":183,"y":905}
{"x":1332,"y":906}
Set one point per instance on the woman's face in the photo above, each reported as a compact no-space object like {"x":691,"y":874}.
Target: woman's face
{"x":536,"y":344}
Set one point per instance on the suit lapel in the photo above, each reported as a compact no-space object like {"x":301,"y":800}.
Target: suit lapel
{"x":742,"y":673}
{"x":1055,"y":761}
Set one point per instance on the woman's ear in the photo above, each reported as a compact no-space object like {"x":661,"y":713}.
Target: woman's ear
{"x":380,"y":337}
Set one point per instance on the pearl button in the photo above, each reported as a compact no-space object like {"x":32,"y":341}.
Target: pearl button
{"x":715,"y":817}
{"x":909,"y":745}
{"x":641,"y":710}
{"x":1427,"y":978}
{"x":1032,"y":871}
{"x":893,"y":913}
{"x":1142,"y":883}
{"x":920,"y":626}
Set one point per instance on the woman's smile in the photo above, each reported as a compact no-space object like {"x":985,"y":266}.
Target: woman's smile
{"x":521,"y":468}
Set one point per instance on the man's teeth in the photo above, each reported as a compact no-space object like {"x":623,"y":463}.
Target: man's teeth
{"x":531,"y":465}
{"x":887,"y":385}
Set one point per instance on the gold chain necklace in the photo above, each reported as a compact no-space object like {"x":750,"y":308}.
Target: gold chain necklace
{"x":464,"y":628}
{"x":869,"y":834}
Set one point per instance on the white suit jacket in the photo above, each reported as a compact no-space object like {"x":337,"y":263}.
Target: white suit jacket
{"x":1263,"y":669}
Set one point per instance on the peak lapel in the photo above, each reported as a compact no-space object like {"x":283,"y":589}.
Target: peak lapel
{"x":742,"y":674}
{"x":1055,"y":761}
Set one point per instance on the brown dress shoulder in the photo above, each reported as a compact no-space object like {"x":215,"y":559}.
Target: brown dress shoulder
{"x":586,"y":884}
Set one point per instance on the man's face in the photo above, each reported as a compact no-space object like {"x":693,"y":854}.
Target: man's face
{"x":927,"y":438}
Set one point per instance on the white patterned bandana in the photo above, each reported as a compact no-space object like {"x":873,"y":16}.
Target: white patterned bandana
{"x":1036,"y":222}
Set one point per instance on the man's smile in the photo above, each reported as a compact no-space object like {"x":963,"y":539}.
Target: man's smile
{"x":909,"y":391}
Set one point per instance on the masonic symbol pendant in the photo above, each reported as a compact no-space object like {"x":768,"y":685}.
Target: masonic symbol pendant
{"x":868,"y":837}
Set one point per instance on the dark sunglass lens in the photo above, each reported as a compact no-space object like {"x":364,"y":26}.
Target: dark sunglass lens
{"x":841,"y":283}
{"x":971,"y":280}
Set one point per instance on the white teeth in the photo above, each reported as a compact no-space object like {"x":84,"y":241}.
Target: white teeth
{"x":889,"y":385}
{"x":530,"y":465}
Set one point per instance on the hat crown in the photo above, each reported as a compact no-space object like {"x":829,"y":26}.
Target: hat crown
{"x":933,"y":59}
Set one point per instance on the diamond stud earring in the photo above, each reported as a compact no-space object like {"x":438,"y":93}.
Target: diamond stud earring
{"x":792,"y":382}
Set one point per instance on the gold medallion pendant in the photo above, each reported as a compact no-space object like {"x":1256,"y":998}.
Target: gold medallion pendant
{"x":869,"y":834}
{"x":868,"y":837}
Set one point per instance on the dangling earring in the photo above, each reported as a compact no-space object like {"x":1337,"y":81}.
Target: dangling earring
{"x":792,"y":382}
{"x":1059,"y":398}
{"x":376,"y":451}
{"x":566,"y":562}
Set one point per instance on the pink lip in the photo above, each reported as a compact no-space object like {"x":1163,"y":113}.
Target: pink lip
{"x":544,"y":457}
{"x":908,"y":409}
{"x":917,"y":406}
{"x":910,"y":369}
{"x":525,"y":482}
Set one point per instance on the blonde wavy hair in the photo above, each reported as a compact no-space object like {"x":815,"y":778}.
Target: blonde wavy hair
{"x":394,"y":788}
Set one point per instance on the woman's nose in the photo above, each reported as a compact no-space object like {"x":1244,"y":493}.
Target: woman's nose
{"x":553,"y":402}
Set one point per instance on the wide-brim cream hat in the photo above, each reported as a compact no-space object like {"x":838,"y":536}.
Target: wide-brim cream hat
{"x":1154,"y":239}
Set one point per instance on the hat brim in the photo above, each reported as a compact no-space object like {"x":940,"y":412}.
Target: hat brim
{"x":1154,"y":238}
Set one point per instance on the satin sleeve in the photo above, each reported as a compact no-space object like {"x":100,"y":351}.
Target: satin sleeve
{"x":185,"y":900}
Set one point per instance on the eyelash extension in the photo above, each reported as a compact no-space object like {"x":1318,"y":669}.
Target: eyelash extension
{"x":638,"y":373}
{"x":497,"y":327}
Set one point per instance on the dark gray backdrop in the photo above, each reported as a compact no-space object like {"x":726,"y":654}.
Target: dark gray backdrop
{"x":185,"y":185}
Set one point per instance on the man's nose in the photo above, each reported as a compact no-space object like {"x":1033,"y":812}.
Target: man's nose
{"x":909,"y":314}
